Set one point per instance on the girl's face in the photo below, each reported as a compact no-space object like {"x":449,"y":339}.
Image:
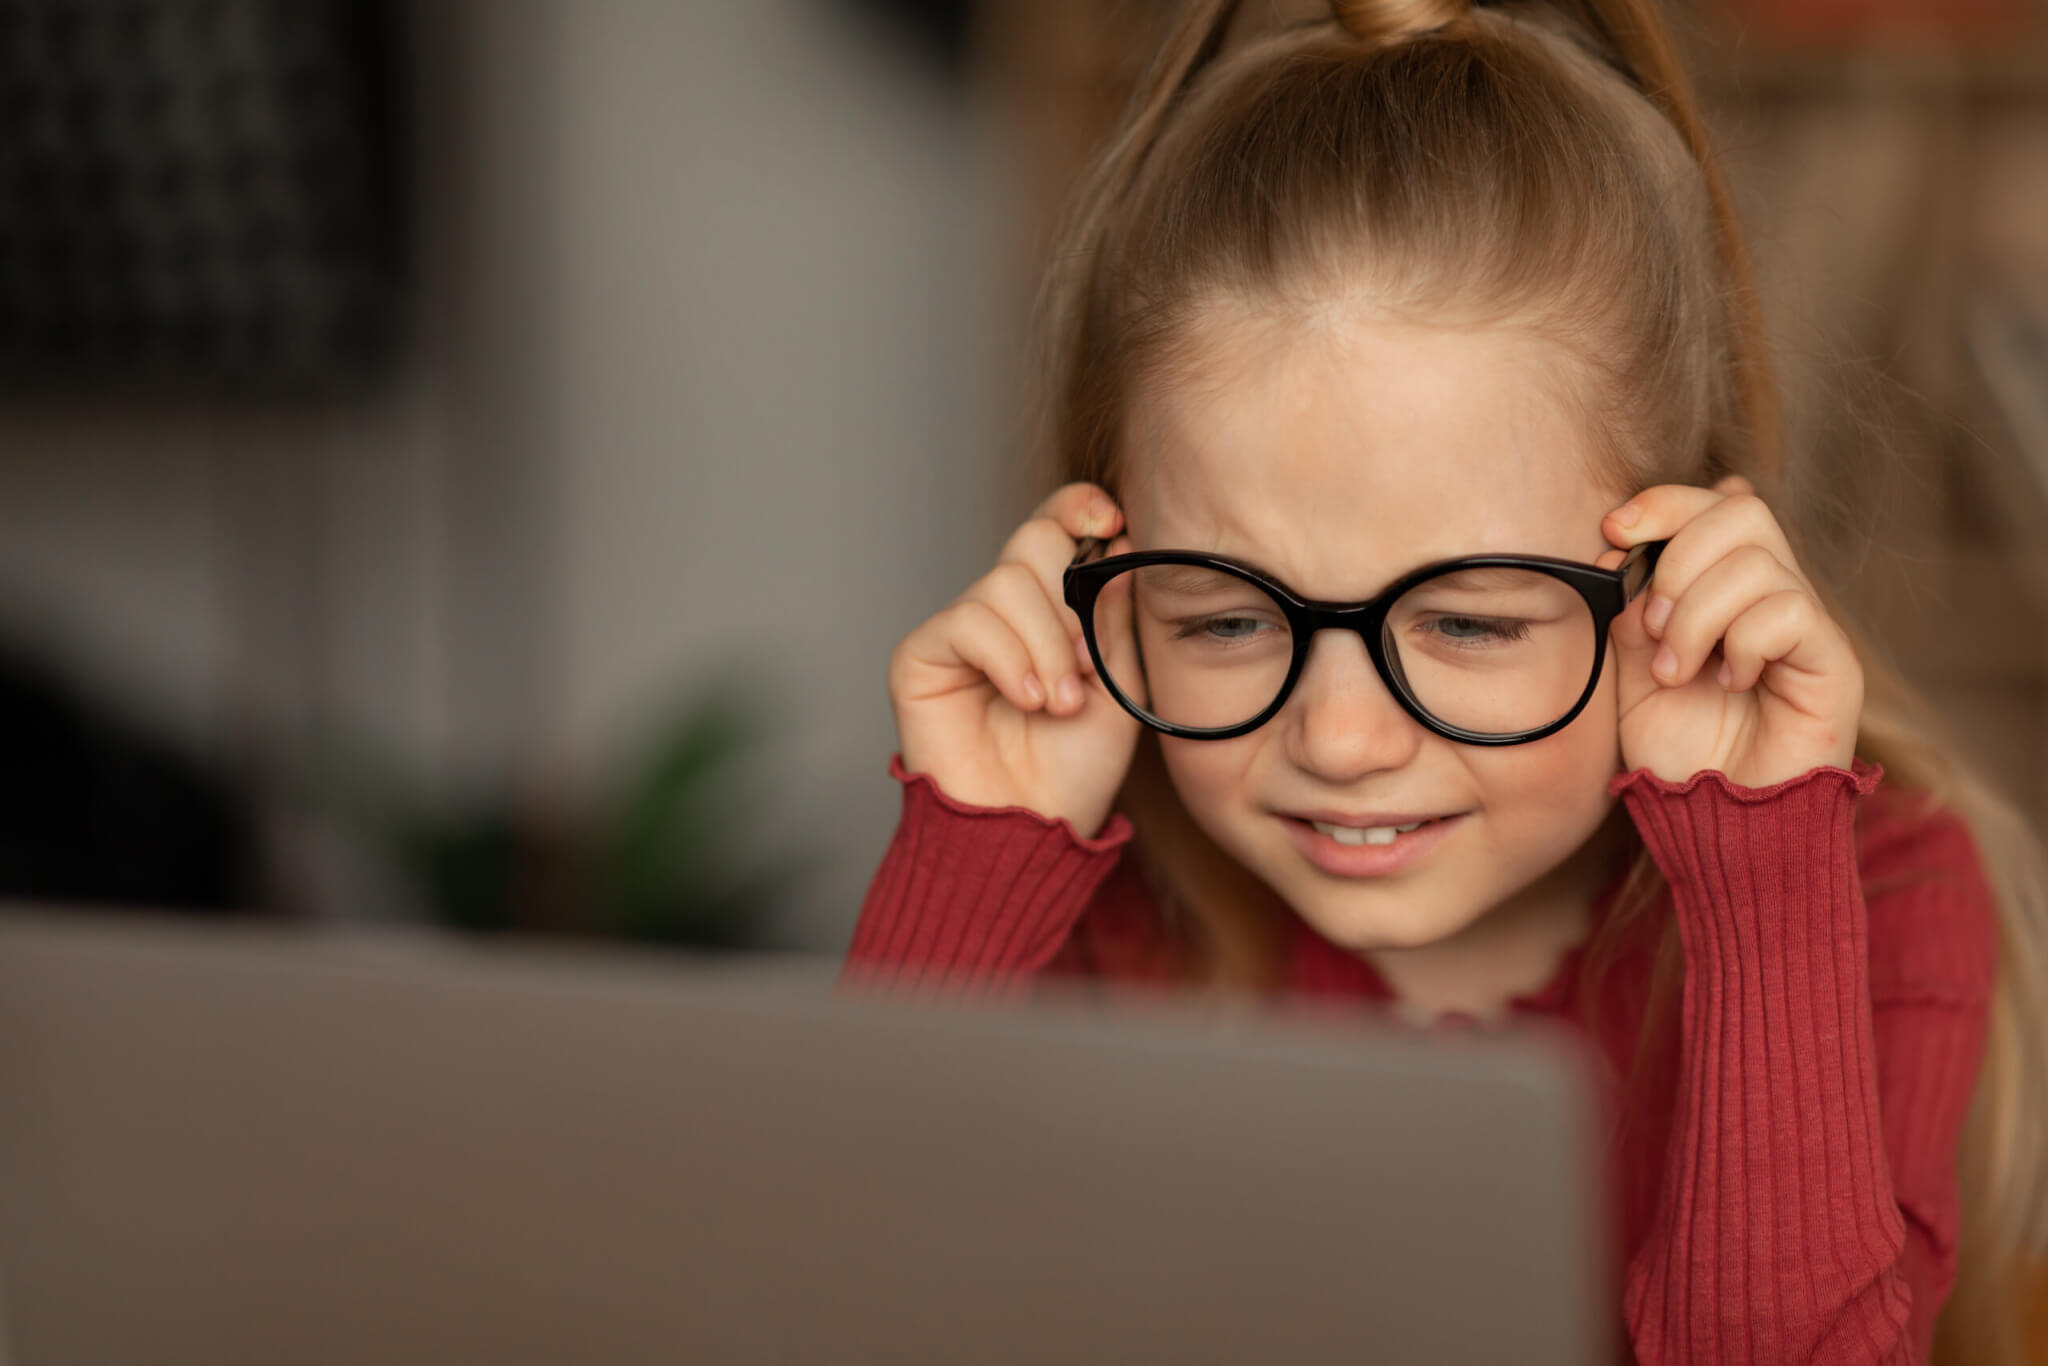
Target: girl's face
{"x":1338,"y":453}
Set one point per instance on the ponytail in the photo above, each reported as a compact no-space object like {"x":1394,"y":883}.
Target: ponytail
{"x":1390,"y":21}
{"x":1639,"y":44}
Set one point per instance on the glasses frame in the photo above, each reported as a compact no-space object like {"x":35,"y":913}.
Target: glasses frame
{"x":1607,"y":593}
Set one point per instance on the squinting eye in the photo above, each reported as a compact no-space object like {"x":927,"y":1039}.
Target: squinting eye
{"x":1225,"y":628}
{"x":1481,"y":628}
{"x":1219,"y":628}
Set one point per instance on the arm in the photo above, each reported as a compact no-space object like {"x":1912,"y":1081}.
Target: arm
{"x":1808,"y":1207}
{"x":978,"y":902}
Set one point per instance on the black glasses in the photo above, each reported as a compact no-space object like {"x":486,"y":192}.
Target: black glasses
{"x":1483,"y":649}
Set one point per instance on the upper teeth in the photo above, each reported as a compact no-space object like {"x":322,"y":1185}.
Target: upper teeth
{"x":1351,"y":834}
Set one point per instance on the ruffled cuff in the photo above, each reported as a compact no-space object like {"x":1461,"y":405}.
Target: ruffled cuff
{"x":1863,"y":776}
{"x":1116,"y":832}
{"x":1720,"y":842}
{"x":974,"y":901}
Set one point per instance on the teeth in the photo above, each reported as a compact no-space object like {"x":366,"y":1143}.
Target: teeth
{"x":1378,"y":834}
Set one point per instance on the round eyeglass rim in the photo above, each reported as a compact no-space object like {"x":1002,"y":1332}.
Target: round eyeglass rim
{"x":1607,"y":593}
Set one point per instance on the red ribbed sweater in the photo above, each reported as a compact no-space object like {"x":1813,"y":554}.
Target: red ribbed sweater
{"x":1790,"y":1195}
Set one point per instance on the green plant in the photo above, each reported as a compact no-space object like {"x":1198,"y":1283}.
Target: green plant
{"x":655,"y":857}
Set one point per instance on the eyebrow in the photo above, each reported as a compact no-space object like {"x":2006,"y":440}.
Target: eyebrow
{"x":1187,"y":578}
{"x":1482,"y":578}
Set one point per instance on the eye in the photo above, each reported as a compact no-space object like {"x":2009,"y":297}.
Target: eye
{"x":1480,"y":629}
{"x":1219,"y":628}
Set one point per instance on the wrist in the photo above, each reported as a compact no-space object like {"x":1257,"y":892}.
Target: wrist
{"x":1097,"y":831}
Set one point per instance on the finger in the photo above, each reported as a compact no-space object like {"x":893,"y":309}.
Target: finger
{"x":1044,"y":547}
{"x":1014,"y":591}
{"x":1660,"y":511}
{"x":1788,"y":628}
{"x":1115,"y":634}
{"x":1702,"y":527}
{"x":1702,"y":613}
{"x":977,"y":636}
{"x":1081,"y":509}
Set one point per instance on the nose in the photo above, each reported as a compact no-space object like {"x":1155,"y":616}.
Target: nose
{"x":1341,"y":722}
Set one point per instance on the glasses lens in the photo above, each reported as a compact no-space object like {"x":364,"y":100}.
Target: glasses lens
{"x":1491,"y":651}
{"x":1495,"y":651}
{"x":1193,"y":646}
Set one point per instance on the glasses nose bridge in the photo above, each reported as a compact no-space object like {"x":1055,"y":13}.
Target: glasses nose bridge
{"x":1366,"y":620}
{"x":1342,"y":720}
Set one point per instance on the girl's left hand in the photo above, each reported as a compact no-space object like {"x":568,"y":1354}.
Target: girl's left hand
{"x":1792,"y":692}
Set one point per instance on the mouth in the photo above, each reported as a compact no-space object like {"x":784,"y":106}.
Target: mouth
{"x":1351,"y":851}
{"x":1354,"y":836}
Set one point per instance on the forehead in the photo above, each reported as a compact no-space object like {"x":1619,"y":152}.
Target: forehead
{"x":1342,"y":449}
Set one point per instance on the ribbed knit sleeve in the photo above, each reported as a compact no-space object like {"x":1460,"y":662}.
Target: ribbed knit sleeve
{"x":973,"y":901}
{"x":1808,"y":1209}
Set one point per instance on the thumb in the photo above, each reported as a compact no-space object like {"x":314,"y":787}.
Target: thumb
{"x":1628,"y":633}
{"x":1634,"y":648}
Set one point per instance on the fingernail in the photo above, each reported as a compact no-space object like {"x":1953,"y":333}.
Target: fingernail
{"x":1070,"y":693}
{"x":1033,"y":689}
{"x":1101,"y":512}
{"x":1666,"y":663}
{"x":1657,"y":613}
{"x":1628,"y":514}
{"x":1726,"y":675}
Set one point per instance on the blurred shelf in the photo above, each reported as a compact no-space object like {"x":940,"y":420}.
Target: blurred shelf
{"x":1729,"y":61}
{"x":1971,"y":617}
{"x":1982,"y":84}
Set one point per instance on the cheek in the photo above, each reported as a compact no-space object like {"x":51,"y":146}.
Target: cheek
{"x":1598,"y":728}
{"x":1564,"y":772}
{"x":1213,"y":778}
{"x":1551,"y":776}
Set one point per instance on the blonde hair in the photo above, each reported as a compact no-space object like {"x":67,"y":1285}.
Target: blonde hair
{"x":1542,"y":165}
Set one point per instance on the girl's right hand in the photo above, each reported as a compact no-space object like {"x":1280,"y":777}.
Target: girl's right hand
{"x":995,"y":696}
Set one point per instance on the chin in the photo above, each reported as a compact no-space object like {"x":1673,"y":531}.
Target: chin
{"x":1362,"y":926}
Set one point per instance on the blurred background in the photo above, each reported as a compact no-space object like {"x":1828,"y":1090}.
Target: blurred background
{"x":466,"y":464}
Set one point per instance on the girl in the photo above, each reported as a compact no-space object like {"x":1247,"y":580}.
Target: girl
{"x":1356,"y":295}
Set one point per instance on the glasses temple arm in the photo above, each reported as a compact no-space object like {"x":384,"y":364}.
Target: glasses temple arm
{"x":1636,"y":568}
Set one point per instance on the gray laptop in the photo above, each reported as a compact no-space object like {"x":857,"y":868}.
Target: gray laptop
{"x":224,"y":1146}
